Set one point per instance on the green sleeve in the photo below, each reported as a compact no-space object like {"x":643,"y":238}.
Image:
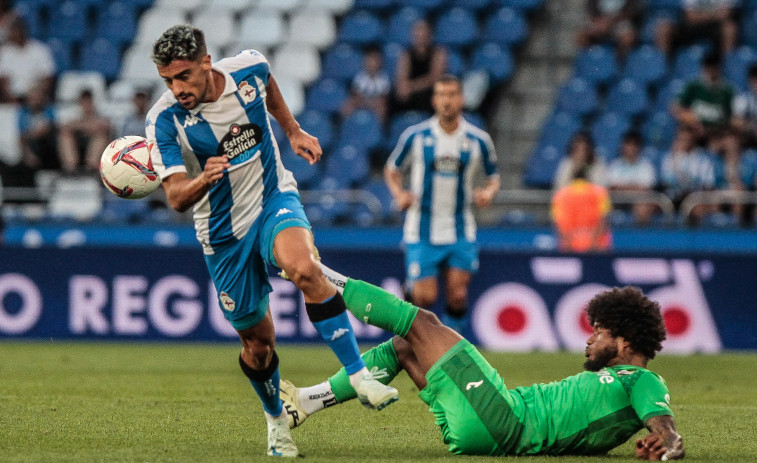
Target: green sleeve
{"x":650,"y":397}
{"x":687,"y":95}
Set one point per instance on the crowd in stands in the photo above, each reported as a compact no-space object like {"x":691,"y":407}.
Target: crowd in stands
{"x":665,"y":95}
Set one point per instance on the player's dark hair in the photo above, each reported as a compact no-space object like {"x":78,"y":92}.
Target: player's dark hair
{"x":628,"y":313}
{"x":180,"y":42}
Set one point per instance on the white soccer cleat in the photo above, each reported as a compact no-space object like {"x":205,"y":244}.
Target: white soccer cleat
{"x":375,"y":395}
{"x":291,"y":398}
{"x":280,"y":443}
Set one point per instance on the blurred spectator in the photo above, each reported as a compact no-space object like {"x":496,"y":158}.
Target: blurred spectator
{"x":370,"y":87}
{"x":38,"y":132}
{"x":8,"y":16}
{"x":713,"y":20}
{"x":417,"y":70}
{"x":25,"y":64}
{"x":612,"y":21}
{"x":705,"y":103}
{"x":580,"y":211}
{"x":83,"y":139}
{"x":687,"y":168}
{"x":581,"y":152}
{"x":728,"y":175}
{"x":745,"y":110}
{"x":134,"y":124}
{"x":632,"y":172}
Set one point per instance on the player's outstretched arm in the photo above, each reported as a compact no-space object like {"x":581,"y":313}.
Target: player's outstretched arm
{"x":663,"y":441}
{"x":183,"y":192}
{"x":304,"y":144}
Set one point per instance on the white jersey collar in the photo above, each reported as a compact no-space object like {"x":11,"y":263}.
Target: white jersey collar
{"x":437,"y":129}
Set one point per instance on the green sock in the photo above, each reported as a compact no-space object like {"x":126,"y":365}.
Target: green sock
{"x":374,"y":306}
{"x":381,"y":361}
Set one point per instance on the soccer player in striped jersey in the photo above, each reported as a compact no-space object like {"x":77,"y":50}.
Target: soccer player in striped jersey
{"x":586,"y":414}
{"x":443,"y":154}
{"x":210,"y":141}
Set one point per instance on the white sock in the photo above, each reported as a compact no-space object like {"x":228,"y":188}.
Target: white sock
{"x":316,"y":398}
{"x":270,"y":418}
{"x":357,"y":376}
{"x":336,"y":278}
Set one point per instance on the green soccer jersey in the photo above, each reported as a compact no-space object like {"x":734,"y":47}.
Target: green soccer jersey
{"x":591,"y":412}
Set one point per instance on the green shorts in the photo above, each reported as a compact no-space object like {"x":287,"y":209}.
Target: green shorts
{"x":471,"y":403}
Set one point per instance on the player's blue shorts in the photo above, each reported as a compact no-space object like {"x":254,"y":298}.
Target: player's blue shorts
{"x":238,"y":269}
{"x":423,"y":260}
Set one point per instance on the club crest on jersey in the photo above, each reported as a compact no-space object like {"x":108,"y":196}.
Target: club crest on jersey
{"x":227,"y":303}
{"x":247,"y":92}
{"x":240,"y":139}
{"x":447,"y":164}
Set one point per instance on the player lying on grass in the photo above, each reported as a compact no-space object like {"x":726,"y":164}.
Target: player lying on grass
{"x":586,"y":414}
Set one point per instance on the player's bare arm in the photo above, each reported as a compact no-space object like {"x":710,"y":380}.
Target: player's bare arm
{"x":483,"y":197}
{"x":183,"y":192}
{"x":403,"y":197}
{"x":304,"y":144}
{"x":663,"y":441}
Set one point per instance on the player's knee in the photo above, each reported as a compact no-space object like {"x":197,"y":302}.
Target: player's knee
{"x":424,"y":299}
{"x":458,"y":299}
{"x":304,"y":273}
{"x":257,"y":354}
{"x":403,"y":349}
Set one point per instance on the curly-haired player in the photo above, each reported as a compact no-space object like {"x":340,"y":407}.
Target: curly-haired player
{"x":586,"y":414}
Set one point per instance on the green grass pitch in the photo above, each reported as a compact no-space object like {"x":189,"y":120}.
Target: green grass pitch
{"x":138,"y":402}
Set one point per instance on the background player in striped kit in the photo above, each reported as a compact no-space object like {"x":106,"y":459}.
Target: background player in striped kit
{"x":443,"y":155}
{"x":211,"y":142}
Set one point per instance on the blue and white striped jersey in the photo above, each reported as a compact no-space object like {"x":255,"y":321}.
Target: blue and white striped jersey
{"x":237,"y":125}
{"x":442,"y":167}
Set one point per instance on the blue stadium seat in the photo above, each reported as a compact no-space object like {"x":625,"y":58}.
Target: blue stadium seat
{"x":318,"y":125}
{"x":495,"y":60}
{"x":326,"y":95}
{"x":607,"y":131}
{"x":541,"y":166}
{"x":361,"y":129}
{"x":473,"y":5}
{"x":373,"y":4}
{"x":392,"y":53}
{"x":627,"y":97}
{"x":361,"y":28}
{"x":523,"y":5}
{"x":378,"y":188}
{"x":456,"y":62}
{"x":654,"y":155}
{"x":664,"y":5}
{"x":117,"y":22}
{"x":596,"y":64}
{"x":646,"y":65}
{"x":577,"y":96}
{"x":748,"y":167}
{"x":749,"y":28}
{"x":475,"y":119}
{"x":62,"y":54}
{"x":31,"y":11}
{"x":559,"y":129}
{"x":400,"y":25}
{"x":329,"y":209}
{"x":456,"y":27}
{"x":306,"y":175}
{"x":400,"y":122}
{"x":507,"y":27}
{"x":736,"y":66}
{"x":349,"y":163}
{"x":427,"y":5}
{"x":720,"y":220}
{"x":342,"y":61}
{"x":668,"y":94}
{"x":688,"y":62}
{"x":659,"y":129}
{"x":69,"y":21}
{"x":102,"y":56}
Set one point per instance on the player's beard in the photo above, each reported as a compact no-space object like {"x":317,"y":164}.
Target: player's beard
{"x":601,"y":358}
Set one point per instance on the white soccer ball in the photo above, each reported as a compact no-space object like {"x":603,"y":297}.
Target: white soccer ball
{"x":126,"y":168}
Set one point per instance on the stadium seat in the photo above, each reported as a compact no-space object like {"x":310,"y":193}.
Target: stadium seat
{"x":279,"y":6}
{"x":232,"y":6}
{"x":361,"y":129}
{"x":596,"y":64}
{"x":312,"y":27}
{"x":138,"y":66}
{"x":627,"y":97}
{"x":76,"y":198}
{"x":474,"y":5}
{"x":607,"y":132}
{"x":218,"y":25}
{"x":336,"y":7}
{"x":327,"y":95}
{"x":186,"y":5}
{"x":748,"y":168}
{"x":319,"y":125}
{"x":154,"y":21}
{"x":524,"y":5}
{"x":476,"y":119}
{"x":342,"y":61}
{"x":494,"y":59}
{"x":392,"y":53}
{"x":559,"y":129}
{"x":262,"y":28}
{"x":71,"y":83}
{"x":361,"y":28}
{"x":349,"y":163}
{"x":400,"y":122}
{"x":720,"y":220}
{"x":541,"y":166}
{"x":668,"y":94}
{"x":117,"y":22}
{"x":32,"y":14}
{"x":329,"y":209}
{"x":297,"y":61}
{"x":400,"y":25}
{"x":688,"y":62}
{"x":374,"y":4}
{"x":293,"y":93}
{"x":62,"y":54}
{"x":736,"y":66}
{"x":456,"y":62}
{"x":428,"y":5}
{"x":646,"y":65}
{"x":103,"y":56}
{"x":377,"y":187}
{"x":70,"y":22}
{"x":749,"y":28}
{"x":306,"y":175}
{"x":577,"y":96}
{"x":456,"y":27}
{"x":659,"y":129}
{"x":507,"y":27}
{"x":10,"y":149}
